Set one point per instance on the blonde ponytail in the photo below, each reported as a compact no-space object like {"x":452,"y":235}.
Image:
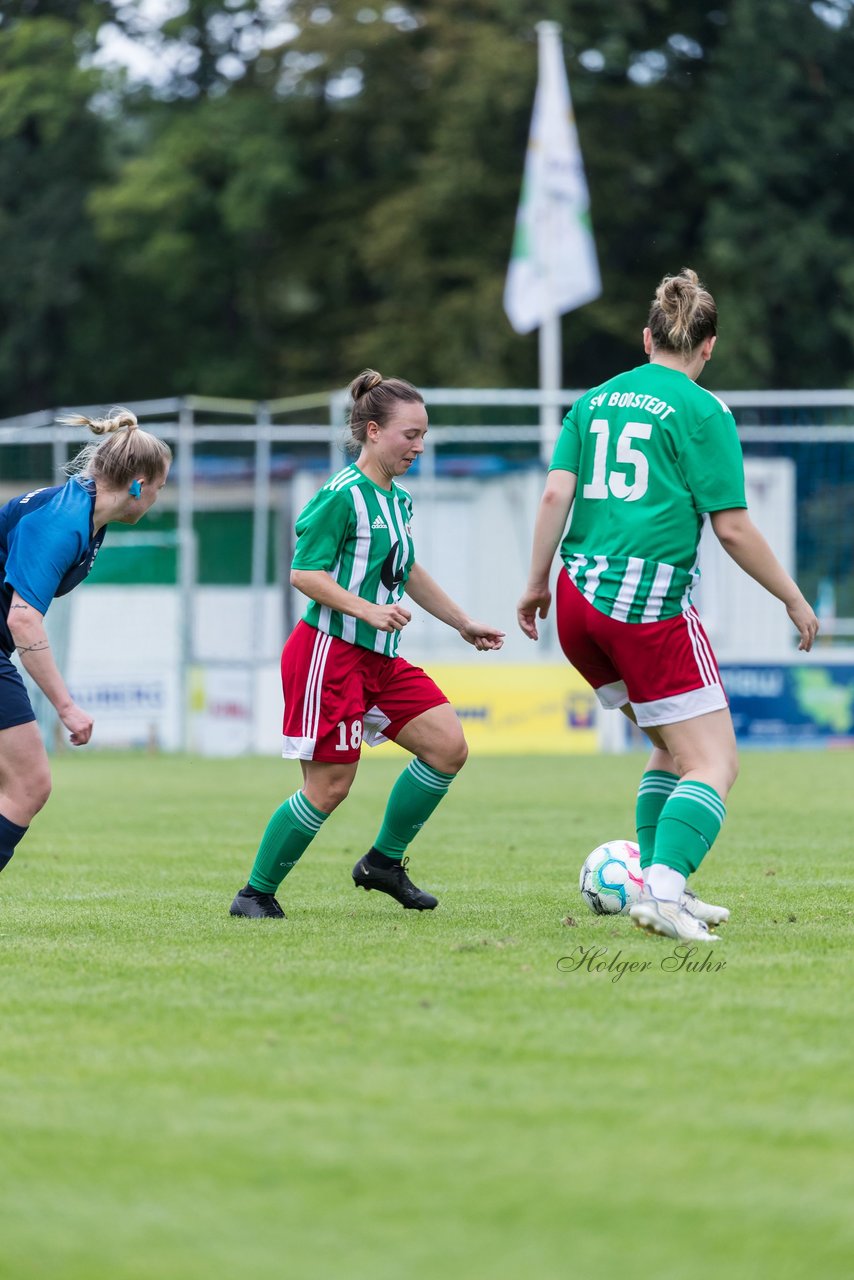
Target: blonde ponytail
{"x":119,"y":419}
{"x":129,"y":454}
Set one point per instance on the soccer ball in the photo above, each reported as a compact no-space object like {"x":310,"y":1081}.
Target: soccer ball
{"x":611,"y":879}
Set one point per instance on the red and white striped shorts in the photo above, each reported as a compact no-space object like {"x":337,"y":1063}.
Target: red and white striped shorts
{"x":666,"y":670}
{"x":338,"y":695}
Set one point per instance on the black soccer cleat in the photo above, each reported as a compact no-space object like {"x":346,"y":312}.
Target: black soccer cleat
{"x":255,"y":905}
{"x":395,"y":882}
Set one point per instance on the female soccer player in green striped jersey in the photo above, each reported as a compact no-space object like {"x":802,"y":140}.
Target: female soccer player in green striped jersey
{"x":343,"y":681}
{"x":640,"y":461}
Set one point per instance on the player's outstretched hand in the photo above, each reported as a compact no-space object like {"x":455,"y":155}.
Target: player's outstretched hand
{"x":482,"y":636}
{"x":806,"y":622}
{"x":532,"y":604}
{"x":79,"y":725}
{"x":387,"y":617}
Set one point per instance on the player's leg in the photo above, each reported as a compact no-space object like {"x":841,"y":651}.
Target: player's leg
{"x":604,"y":652}
{"x":656,"y":784}
{"x":323,"y":729}
{"x":439,"y":751}
{"x":681,"y":696}
{"x":296,"y":822}
{"x":706,"y":758}
{"x":704,"y":753}
{"x":600,"y":649}
{"x":674,"y":686}
{"x":24,"y":783}
{"x":435,"y":738}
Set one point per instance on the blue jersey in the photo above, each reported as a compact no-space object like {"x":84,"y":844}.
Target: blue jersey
{"x":47,"y":546}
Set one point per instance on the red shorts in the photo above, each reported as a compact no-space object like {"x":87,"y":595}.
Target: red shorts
{"x":338,"y":695}
{"x":666,"y":670}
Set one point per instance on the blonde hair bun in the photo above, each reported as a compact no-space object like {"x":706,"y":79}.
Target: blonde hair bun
{"x":682,"y":313}
{"x":363,"y":383}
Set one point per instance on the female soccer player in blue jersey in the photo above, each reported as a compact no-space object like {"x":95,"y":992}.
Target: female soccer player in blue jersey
{"x":641,"y":460}
{"x":343,"y":681}
{"x":48,"y":542}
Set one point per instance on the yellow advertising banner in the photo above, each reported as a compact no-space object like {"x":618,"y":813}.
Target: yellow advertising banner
{"x":521,"y":710}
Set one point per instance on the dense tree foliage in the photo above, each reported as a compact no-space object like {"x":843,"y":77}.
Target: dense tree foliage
{"x":51,"y":158}
{"x":305,"y":190}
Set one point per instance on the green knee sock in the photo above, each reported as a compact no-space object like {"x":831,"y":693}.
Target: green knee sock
{"x":688,"y":826}
{"x":413,"y":798}
{"x":289,"y":833}
{"x":655,"y":787}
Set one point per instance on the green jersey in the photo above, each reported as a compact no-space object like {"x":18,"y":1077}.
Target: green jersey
{"x":653,"y":453}
{"x":361,"y":536}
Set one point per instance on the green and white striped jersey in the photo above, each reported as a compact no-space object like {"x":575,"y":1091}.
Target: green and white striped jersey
{"x":361,"y":536}
{"x":653,"y":453}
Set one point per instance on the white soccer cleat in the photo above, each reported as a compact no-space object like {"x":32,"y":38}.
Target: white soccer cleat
{"x":705,"y":911}
{"x":670,"y":919}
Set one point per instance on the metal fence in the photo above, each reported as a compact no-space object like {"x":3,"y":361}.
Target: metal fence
{"x":246,"y":456}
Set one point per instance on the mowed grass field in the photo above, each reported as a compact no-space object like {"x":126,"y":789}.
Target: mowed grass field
{"x":362,"y":1092}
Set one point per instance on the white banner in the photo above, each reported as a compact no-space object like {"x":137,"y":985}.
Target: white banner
{"x":553,"y":267}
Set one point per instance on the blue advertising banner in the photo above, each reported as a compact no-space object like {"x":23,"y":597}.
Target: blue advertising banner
{"x":792,"y":706}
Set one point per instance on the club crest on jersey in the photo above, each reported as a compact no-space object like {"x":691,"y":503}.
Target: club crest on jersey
{"x":389,"y":576}
{"x":379,"y":523}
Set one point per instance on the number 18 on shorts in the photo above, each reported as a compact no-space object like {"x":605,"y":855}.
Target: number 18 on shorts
{"x":339,"y":695}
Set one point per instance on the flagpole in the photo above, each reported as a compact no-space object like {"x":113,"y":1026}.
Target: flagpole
{"x":550,"y":346}
{"x":551,"y":383}
{"x":553,"y":266}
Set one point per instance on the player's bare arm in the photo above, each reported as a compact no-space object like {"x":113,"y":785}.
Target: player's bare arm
{"x":427,"y":593}
{"x":318,"y":585}
{"x":552,"y":515}
{"x":26,"y":625}
{"x":741,"y":540}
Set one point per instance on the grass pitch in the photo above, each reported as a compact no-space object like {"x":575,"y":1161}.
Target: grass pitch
{"x":362,"y":1092}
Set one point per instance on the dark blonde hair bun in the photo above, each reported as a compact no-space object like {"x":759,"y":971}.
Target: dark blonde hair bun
{"x":363,"y":383}
{"x":682,"y":313}
{"x":374,"y":398}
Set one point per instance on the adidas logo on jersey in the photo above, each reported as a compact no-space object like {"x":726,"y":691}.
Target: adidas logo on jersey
{"x":379,"y":523}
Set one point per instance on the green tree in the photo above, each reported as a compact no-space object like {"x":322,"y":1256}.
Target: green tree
{"x":270,"y":217}
{"x":405,"y":218}
{"x":422,"y":163}
{"x":193,"y":222}
{"x":51,"y":150}
{"x":777,"y":232}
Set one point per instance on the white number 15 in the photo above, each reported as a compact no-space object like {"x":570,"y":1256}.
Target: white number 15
{"x":616,"y":482}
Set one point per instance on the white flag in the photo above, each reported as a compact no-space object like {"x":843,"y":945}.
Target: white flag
{"x":553,"y":266}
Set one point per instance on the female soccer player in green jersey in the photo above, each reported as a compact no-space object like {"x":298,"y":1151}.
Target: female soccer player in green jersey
{"x":641,"y":460}
{"x":343,"y":681}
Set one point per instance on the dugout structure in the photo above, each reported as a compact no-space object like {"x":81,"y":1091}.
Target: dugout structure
{"x":174,"y":640}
